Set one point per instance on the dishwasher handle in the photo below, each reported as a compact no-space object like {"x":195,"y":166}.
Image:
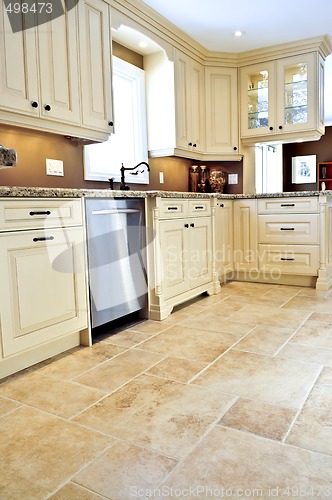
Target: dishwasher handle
{"x":115,"y":211}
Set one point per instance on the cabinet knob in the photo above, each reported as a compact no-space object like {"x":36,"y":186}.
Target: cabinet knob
{"x":280,"y":127}
{"x":194,"y":145}
{"x":235,"y":148}
{"x":110,"y":124}
{"x":47,"y":107}
{"x":270,"y":128}
{"x":192,"y":225}
{"x":221,"y":205}
{"x":190,"y":144}
{"x":34,"y":104}
{"x":186,"y":225}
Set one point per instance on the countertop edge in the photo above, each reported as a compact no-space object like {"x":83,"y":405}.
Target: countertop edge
{"x":43,"y":192}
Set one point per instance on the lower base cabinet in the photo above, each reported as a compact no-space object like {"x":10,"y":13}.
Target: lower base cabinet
{"x":182,"y":258}
{"x":43,"y":295}
{"x":284,"y":240}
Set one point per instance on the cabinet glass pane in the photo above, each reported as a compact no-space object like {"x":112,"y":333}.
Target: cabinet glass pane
{"x":258,"y":94}
{"x":296,"y":93}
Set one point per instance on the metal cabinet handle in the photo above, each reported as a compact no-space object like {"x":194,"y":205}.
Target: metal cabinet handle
{"x":287,"y":204}
{"x":199,"y":207}
{"x":192,"y":225}
{"x":40,"y":212}
{"x":287,"y":229}
{"x":221,"y":205}
{"x":44,"y":238}
{"x":172,"y":208}
{"x":34,"y":104}
{"x":186,"y":225}
{"x":285,"y":258}
{"x":47,"y":107}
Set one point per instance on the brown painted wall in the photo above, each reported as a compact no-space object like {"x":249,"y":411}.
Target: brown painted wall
{"x":322,"y":149}
{"x":33,"y":147}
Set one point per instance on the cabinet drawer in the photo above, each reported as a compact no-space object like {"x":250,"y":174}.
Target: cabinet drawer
{"x":31,"y":213}
{"x":199,"y":207}
{"x":288,"y":205}
{"x":173,"y":208}
{"x":289,"y":259}
{"x":297,"y":228}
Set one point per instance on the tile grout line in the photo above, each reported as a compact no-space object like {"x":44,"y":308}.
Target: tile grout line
{"x":302,"y":406}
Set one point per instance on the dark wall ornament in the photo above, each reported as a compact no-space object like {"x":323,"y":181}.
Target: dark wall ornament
{"x":31,"y":13}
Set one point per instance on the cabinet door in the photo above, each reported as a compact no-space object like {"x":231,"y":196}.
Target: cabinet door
{"x":222,"y":124}
{"x":245,"y":235}
{"x":174,"y":243}
{"x":258,"y":100}
{"x":43,"y":294}
{"x":95,"y":60}
{"x":297,"y":93}
{"x":224,"y":236}
{"x":18,"y":76}
{"x":58,"y":60}
{"x":189,"y":103}
{"x":200,"y":270}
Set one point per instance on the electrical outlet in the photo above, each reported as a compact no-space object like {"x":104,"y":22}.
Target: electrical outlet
{"x":54,"y":167}
{"x":161,"y":177}
{"x":233,"y":179}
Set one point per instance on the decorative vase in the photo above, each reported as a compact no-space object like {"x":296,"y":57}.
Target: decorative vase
{"x":193,"y":178}
{"x":217,"y":181}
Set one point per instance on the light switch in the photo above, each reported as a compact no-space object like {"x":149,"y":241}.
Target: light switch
{"x":161,"y":177}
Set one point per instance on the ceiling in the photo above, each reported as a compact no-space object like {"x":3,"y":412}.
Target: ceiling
{"x":212,"y":23}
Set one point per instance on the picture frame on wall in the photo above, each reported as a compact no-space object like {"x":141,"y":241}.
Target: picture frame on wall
{"x":304,"y":169}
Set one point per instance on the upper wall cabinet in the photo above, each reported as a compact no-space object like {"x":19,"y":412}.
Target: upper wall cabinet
{"x":192,"y":110}
{"x":95,"y":62}
{"x":222,"y":122}
{"x":39,"y":81}
{"x":283,"y":99}
{"x":39,"y":76}
{"x":189,"y":104}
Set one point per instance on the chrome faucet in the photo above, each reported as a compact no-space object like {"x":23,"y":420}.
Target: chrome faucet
{"x":122,"y":170}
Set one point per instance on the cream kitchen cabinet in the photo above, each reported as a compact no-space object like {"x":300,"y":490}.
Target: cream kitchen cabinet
{"x":40,"y":70}
{"x":189,"y":104}
{"x":175,"y":105}
{"x":222,"y":120}
{"x":43,"y":295}
{"x":49,"y":73}
{"x":224,"y":238}
{"x":181,"y":260}
{"x":288,"y":236}
{"x":245,"y":235}
{"x":192,"y":110}
{"x":283,"y":99}
{"x":95,"y":65}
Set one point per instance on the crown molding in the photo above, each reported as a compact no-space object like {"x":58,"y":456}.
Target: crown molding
{"x":138,"y":15}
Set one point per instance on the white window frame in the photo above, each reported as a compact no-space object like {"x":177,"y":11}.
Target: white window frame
{"x":101,"y":166}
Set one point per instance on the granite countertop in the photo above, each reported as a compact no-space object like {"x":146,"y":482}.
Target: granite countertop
{"x":40,"y":192}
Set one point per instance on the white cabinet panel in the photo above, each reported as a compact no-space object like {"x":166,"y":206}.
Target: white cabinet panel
{"x":222,"y":122}
{"x":289,"y":228}
{"x":95,"y":61}
{"x":43,"y":294}
{"x":289,"y":259}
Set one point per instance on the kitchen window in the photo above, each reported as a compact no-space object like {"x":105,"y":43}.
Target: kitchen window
{"x":128,"y":144}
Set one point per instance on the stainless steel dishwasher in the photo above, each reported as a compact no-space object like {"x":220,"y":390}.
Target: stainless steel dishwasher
{"x":116,"y":242}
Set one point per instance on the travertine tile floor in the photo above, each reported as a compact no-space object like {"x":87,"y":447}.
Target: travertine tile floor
{"x":230,"y":397}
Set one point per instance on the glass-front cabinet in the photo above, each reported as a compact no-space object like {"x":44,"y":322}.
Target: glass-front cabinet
{"x":283,"y":97}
